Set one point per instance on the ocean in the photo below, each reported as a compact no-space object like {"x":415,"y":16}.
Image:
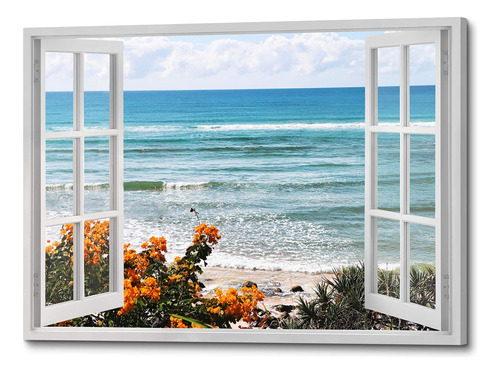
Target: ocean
{"x":280,"y":172}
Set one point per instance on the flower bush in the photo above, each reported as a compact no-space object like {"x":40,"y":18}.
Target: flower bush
{"x":59,"y":262}
{"x":157,"y":293}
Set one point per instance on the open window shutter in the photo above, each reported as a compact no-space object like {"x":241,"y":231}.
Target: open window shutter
{"x":395,"y":234}
{"x":81,"y":261}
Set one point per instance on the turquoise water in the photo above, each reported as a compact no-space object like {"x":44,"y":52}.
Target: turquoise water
{"x":280,"y":171}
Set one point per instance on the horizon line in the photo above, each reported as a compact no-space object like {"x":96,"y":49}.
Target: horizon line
{"x":242,"y":89}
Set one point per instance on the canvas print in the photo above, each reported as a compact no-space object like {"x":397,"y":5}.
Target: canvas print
{"x":244,"y":182}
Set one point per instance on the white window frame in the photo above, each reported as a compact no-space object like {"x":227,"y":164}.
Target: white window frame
{"x":456,"y":331}
{"x":80,"y":305}
{"x":402,"y":307}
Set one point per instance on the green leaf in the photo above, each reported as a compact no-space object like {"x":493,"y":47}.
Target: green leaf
{"x":193,"y":321}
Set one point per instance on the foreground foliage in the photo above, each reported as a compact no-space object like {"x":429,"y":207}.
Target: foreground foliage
{"x":157,"y":293}
{"x":168,"y":294}
{"x":338,"y":303}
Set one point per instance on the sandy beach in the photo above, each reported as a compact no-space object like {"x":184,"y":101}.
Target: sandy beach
{"x":270,"y":282}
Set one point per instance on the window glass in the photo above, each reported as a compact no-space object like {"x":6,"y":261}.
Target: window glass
{"x":58,"y":91}
{"x":388,"y":257}
{"x":58,"y":264}
{"x":388,"y":85}
{"x":58,"y":178}
{"x":388,"y":178}
{"x":96,"y":256}
{"x":96,"y":95}
{"x":423,"y":265}
{"x":422,"y":85}
{"x":97,"y":193}
{"x":423,"y":175}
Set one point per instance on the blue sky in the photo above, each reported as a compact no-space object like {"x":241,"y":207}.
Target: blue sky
{"x":243,"y":61}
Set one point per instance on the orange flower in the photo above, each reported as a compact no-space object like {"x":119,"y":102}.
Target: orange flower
{"x":239,"y":306}
{"x":214,"y":310}
{"x":132,"y":293}
{"x":150,"y":289}
{"x":129,"y":255}
{"x":177,"y":323}
{"x":205,"y":233}
{"x":174,"y":278}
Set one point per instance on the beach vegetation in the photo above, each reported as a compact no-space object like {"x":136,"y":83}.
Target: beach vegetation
{"x":157,"y":292}
{"x":338,"y":302}
{"x":167,"y":293}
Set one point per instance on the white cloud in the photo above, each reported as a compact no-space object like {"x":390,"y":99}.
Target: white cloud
{"x":96,"y":72}
{"x":301,"y":54}
{"x":290,"y":60}
{"x":59,"y":71}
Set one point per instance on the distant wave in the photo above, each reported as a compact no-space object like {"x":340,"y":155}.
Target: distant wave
{"x":146,"y":128}
{"x":139,"y":185}
{"x":163,"y":186}
{"x":299,"y":126}
{"x":279,"y":126}
{"x":166,"y":186}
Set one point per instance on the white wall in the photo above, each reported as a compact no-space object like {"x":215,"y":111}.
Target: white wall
{"x":17,"y":355}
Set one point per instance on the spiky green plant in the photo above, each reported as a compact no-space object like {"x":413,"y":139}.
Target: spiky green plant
{"x":338,"y":302}
{"x":388,"y":283}
{"x":423,"y":286}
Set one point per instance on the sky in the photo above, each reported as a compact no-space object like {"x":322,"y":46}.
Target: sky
{"x":242,"y":62}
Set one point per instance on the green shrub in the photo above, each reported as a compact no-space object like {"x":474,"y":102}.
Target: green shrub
{"x":338,"y":302}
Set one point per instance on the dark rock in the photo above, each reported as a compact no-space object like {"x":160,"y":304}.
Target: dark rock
{"x":297,"y":289}
{"x":278,"y":290}
{"x":249,"y":284}
{"x":284,"y":308}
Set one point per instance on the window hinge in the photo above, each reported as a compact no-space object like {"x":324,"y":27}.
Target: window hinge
{"x":446,"y":286}
{"x":36,"y":68}
{"x":36,"y":284}
{"x":445,"y":63}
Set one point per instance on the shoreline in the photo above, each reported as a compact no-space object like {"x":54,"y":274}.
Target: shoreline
{"x":268,"y":281}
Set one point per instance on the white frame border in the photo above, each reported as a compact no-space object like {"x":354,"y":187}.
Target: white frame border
{"x":457,"y":332}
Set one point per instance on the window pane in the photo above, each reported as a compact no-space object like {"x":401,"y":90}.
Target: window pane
{"x":422,"y":85}
{"x":423,"y":265}
{"x":58,"y":91}
{"x":96,"y":257}
{"x":58,"y":264}
{"x":388,"y":257}
{"x":388,"y":177}
{"x":59,"y":178}
{"x":97,"y":194}
{"x":422,"y":175}
{"x":96,"y":95}
{"x":389,"y":61}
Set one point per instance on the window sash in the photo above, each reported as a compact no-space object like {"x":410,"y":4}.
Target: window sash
{"x":402,"y":308}
{"x":82,"y":305}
